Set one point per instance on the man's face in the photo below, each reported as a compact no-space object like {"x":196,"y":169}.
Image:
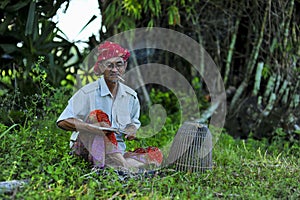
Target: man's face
{"x":114,"y":67}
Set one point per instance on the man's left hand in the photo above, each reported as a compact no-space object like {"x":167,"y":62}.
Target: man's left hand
{"x":130,"y":131}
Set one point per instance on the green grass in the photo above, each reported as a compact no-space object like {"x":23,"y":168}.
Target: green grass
{"x":242,"y":170}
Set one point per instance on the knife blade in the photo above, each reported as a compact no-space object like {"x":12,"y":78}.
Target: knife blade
{"x":117,"y":130}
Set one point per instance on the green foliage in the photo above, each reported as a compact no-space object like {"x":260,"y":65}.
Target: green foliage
{"x":242,"y":169}
{"x":133,"y":7}
{"x":266,"y":71}
{"x":170,"y":102}
{"x":33,"y":148}
{"x":38,"y":151}
{"x":165,"y":98}
{"x":163,"y":136}
{"x":288,"y":141}
{"x":173,"y":15}
{"x":28,"y":33}
{"x":220,"y":27}
{"x":124,"y":15}
{"x":17,"y":108}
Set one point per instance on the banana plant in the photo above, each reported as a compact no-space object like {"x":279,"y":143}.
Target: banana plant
{"x":28,"y":35}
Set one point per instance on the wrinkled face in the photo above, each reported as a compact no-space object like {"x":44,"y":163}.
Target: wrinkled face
{"x":113,"y":68}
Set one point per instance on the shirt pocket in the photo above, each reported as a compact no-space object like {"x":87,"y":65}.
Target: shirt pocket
{"x":123,"y":113}
{"x":123,"y":116}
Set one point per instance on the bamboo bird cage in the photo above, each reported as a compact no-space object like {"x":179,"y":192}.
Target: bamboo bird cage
{"x":191,"y":150}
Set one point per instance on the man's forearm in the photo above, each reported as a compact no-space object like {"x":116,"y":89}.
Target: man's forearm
{"x":73,"y":124}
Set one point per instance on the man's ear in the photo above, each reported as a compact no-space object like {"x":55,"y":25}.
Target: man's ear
{"x":101,"y":68}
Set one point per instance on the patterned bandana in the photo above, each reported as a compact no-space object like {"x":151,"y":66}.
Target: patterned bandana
{"x":109,"y":50}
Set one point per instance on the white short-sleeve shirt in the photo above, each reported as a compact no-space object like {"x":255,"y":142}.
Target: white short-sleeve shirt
{"x":122,"y":110}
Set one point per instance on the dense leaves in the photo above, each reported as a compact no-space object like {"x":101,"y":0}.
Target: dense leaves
{"x":255,"y":44}
{"x":28,"y":33}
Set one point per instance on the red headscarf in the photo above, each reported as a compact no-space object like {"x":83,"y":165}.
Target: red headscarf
{"x":109,"y":50}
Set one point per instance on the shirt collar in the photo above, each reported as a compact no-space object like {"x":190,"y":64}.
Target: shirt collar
{"x":121,"y":90}
{"x":104,"y":91}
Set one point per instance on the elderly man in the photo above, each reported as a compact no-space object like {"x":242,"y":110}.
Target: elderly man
{"x":107,"y":103}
